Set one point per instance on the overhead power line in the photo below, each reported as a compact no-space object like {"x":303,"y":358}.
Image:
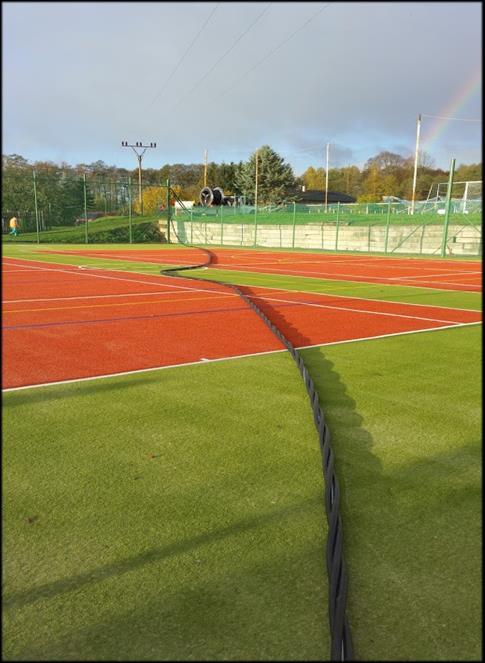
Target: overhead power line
{"x":186,"y":53}
{"x":460,"y":119}
{"x":208,"y":73}
{"x":280,"y":45}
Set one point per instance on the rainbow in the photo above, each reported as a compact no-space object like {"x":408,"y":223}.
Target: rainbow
{"x":457,"y":103}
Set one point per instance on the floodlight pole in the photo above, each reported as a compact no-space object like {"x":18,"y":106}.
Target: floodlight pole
{"x":326,"y":180}
{"x":139,"y":158}
{"x":416,"y":155}
{"x":205,"y":169}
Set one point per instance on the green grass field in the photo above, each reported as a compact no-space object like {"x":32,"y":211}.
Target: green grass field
{"x":178,"y":514}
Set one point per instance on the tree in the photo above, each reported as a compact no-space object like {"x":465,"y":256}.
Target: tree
{"x":387,"y":161}
{"x":275,"y":178}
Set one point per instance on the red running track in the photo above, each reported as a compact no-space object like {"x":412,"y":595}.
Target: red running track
{"x":437,"y":273}
{"x":64,"y":323}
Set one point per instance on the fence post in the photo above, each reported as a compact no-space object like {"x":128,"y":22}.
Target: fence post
{"x":336,"y":232}
{"x":294,"y":225}
{"x":129,"y":209}
{"x":447,"y":208}
{"x":255,"y":226}
{"x":168,"y":211}
{"x":222,"y":230}
{"x":191,"y":227}
{"x":387,"y":225}
{"x":85,"y":210}
{"x":36,"y":209}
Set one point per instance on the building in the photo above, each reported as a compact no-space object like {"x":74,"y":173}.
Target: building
{"x":314,"y":197}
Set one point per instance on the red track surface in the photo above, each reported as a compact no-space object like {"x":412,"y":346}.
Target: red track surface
{"x":433,"y":273}
{"x":61,"y":322}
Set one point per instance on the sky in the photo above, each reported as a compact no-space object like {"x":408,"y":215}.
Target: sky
{"x":78,"y":78}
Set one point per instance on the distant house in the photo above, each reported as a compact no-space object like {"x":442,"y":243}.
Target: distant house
{"x":314,"y":197}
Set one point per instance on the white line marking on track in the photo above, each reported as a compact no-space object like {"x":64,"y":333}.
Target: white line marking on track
{"x":431,"y":276}
{"x":355,"y":280}
{"x":353,"y":310}
{"x":127,"y":294}
{"x":254,"y":354}
{"x":119,"y":278}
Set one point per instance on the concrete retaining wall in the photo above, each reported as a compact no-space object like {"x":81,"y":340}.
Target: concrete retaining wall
{"x":462,"y":240}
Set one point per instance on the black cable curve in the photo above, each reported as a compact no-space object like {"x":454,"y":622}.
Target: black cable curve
{"x":341,"y":642}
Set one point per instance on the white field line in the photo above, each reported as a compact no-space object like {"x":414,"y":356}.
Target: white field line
{"x":298,"y":275}
{"x":297,"y":303}
{"x":127,"y":294}
{"x":431,"y":276}
{"x":116,"y":278}
{"x":359,"y":262}
{"x":335,"y":277}
{"x":288,"y":301}
{"x":366,"y":299}
{"x":230,"y":270}
{"x":358,"y":258}
{"x":206,"y":361}
{"x":354,"y":310}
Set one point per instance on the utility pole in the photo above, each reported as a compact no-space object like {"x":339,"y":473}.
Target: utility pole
{"x":139,"y":157}
{"x":256,"y":183}
{"x":416,"y":155}
{"x":326,"y":180}
{"x":205,"y":169}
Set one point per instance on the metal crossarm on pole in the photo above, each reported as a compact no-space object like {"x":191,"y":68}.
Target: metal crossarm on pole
{"x":139,"y":157}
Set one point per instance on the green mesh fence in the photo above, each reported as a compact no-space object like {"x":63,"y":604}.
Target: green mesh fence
{"x":90,"y":209}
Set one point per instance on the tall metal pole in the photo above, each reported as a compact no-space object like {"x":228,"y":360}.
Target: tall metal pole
{"x":85,"y":210}
{"x":205,"y":168}
{"x":326,"y":180}
{"x":129,"y":210}
{"x":256,"y":182}
{"x":416,"y":156}
{"x":139,"y":157}
{"x":447,"y":208}
{"x":168,"y":211}
{"x":140,"y":196}
{"x":36,"y":209}
{"x":256,"y":197}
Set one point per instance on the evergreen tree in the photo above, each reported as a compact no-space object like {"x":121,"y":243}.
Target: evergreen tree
{"x":275,"y":178}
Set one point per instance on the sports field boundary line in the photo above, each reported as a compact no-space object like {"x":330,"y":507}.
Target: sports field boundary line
{"x":205,"y":361}
{"x":298,"y":276}
{"x":367,"y":299}
{"x":325,"y":278}
{"x":249,"y":286}
{"x":112,"y":278}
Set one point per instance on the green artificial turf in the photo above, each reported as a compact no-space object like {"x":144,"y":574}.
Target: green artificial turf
{"x":405,"y":415}
{"x":173,"y":515}
{"x":178,"y":515}
{"x":213,"y":549}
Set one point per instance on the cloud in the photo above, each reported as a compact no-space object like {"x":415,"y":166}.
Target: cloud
{"x":81,"y":77}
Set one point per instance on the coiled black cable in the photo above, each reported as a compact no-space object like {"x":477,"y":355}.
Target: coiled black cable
{"x":341,"y":642}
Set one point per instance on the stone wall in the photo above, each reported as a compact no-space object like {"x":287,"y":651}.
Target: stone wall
{"x":426,"y":239}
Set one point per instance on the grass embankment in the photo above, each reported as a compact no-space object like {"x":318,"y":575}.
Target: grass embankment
{"x":103,"y":230}
{"x":230,"y":216}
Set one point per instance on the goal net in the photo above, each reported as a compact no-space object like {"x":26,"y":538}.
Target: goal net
{"x":466,"y":196}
